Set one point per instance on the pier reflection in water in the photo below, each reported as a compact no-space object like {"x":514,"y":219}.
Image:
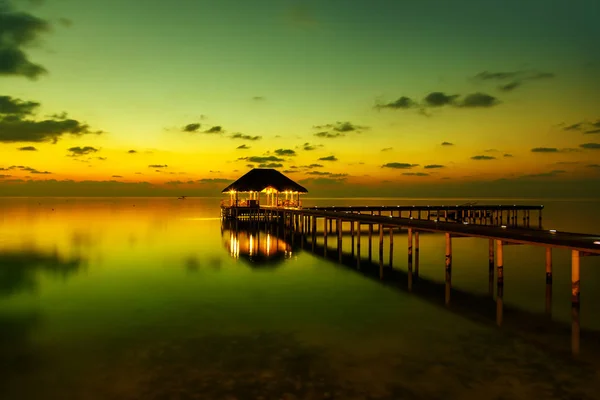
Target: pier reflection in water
{"x":264,"y":244}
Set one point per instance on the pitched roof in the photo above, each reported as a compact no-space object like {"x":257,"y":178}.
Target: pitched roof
{"x":258,"y":179}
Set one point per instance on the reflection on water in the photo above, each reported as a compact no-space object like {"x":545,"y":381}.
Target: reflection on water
{"x":171,"y":305}
{"x":20,"y":268}
{"x":258,"y":248}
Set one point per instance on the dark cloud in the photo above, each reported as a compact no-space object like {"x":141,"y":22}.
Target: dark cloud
{"x":132,"y":152}
{"x":402,"y":103}
{"x":387,"y":149}
{"x":27,"y":148}
{"x":308,"y":147}
{"x":592,"y":131}
{"x":157,"y":166}
{"x":544,"y":174}
{"x":16,"y":124}
{"x":585,"y":127}
{"x":289,"y":171}
{"x":447,"y":144}
{"x":243,"y":147}
{"x":270,"y":165}
{"x":513,"y":79}
{"x":573,"y":127}
{"x":258,"y":98}
{"x":481,"y":158}
{"x":507,"y":155}
{"x":338,"y":129}
{"x":328,"y":158}
{"x":191,"y":127}
{"x":328,"y":174}
{"x":415,"y":174}
{"x":17,"y":31}
{"x":593,"y":166}
{"x":433,"y":166}
{"x":311,"y":166}
{"x":397,"y":165}
{"x":80,"y":151}
{"x":329,"y":135}
{"x":101,"y":158}
{"x":262,"y":159}
{"x":16,"y":107}
{"x":438,"y":99}
{"x":25,"y":169}
{"x":479,"y":100}
{"x":590,"y":146}
{"x":215,"y":129}
{"x":544,"y":150}
{"x":285,"y":152}
{"x":250,"y":165}
{"x":322,"y":181}
{"x":245,"y":137}
{"x":116,"y":176}
{"x":214,"y":180}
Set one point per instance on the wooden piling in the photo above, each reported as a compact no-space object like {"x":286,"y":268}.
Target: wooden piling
{"x":416,"y":254}
{"x":549,"y":265}
{"x":352,"y":236}
{"x":325,"y":235}
{"x":380,"y":251}
{"x":575,"y":325}
{"x":410,"y":257}
{"x":391,"y":247}
{"x":500,"y":262}
{"x":491,"y":267}
{"x":448,"y":266}
{"x":358,"y":244}
{"x":339,"y":244}
{"x":370,"y":241}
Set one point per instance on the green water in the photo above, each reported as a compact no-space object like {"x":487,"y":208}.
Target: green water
{"x":143,"y":299}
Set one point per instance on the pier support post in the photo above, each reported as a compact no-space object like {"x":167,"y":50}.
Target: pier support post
{"x":491,"y":266}
{"x":416,"y":274}
{"x":358,"y":244}
{"x":410,"y":258}
{"x":540,"y":218}
{"x":325,"y":236}
{"x":339,"y":243}
{"x":352,"y":236}
{"x":370,"y":241}
{"x":548,"y":281}
{"x":500,"y":291}
{"x":575,"y":327}
{"x":380,"y":251}
{"x":448,"y":267}
{"x":314,"y":231}
{"x":391,"y":247}
{"x":331,"y":225}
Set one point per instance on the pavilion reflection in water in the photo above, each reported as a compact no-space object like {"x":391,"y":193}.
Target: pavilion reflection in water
{"x":256,"y":247}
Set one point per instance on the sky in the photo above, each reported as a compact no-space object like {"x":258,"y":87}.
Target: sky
{"x":349,"y":98}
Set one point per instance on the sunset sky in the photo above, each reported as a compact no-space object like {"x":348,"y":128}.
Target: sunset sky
{"x":361,"y":97}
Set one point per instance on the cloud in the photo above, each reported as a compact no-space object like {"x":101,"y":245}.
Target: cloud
{"x":191,"y":127}
{"x":214,"y":180}
{"x":415,"y":174}
{"x":289,"y":171}
{"x":544,"y":174}
{"x":329,"y":135}
{"x":590,"y":146}
{"x":27,"y":148}
{"x":585,"y":127}
{"x":17,"y":125}
{"x":397,"y":165}
{"x":544,"y":150}
{"x":328,"y":158}
{"x":507,"y":155}
{"x":308,"y":147}
{"x":402,"y":103}
{"x":157,"y":166}
{"x":17,"y":31}
{"x":513,"y":79}
{"x":311,"y":166}
{"x":328,"y":174}
{"x":285,"y":152}
{"x":479,"y":100}
{"x":481,"y":158}
{"x":80,"y":151}
{"x":433,"y":166}
{"x":322,"y":181}
{"x":270,"y":165}
{"x":387,"y":149}
{"x":65,"y":22}
{"x":25,"y":169}
{"x":339,"y":129}
{"x":132,"y":152}
{"x":245,"y":137}
{"x":447,"y":144}
{"x":593,"y":166}
{"x":101,"y":158}
{"x":116,"y":176}
{"x":262,"y":159}
{"x":215,"y":129}
{"x":243,"y":147}
{"x":258,"y":98}
{"x":438,"y":99}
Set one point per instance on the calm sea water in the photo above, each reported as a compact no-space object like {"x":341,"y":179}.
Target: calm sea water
{"x":148,"y":298}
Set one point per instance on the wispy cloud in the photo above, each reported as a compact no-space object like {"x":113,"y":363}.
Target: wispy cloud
{"x":415,"y":174}
{"x":80,"y":151}
{"x":590,"y":146}
{"x":447,"y":144}
{"x":328,"y":158}
{"x":285,"y":152}
{"x":584,"y":127}
{"x":399,"y":165}
{"x":243,"y":147}
{"x":27,"y":148}
{"x":511,"y":80}
{"x":157,"y":166}
{"x":387,"y":149}
{"x":245,"y":137}
{"x":338,"y":129}
{"x":433,"y":166}
{"x":483,"y":158}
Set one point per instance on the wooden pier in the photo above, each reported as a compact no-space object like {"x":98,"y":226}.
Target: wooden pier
{"x":498,"y":225}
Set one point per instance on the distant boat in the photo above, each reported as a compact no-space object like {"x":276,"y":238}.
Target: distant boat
{"x":182,"y":198}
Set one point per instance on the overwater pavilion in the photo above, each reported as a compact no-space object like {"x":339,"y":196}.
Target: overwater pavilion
{"x":278,"y":190}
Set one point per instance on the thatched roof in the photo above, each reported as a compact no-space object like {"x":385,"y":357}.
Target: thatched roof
{"x":260,"y":178}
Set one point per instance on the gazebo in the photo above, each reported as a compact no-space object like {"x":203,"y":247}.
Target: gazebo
{"x":279,"y":190}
